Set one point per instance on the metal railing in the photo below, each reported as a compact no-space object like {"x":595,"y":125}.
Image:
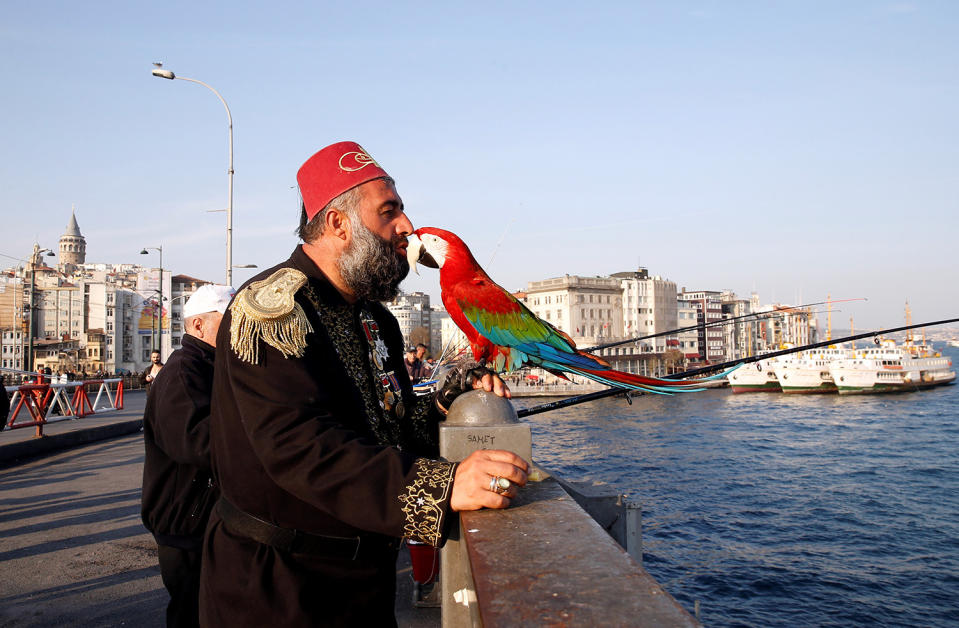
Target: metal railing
{"x":35,"y":405}
{"x":544,"y":561}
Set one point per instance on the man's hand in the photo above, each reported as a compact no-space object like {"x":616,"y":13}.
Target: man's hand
{"x":471,"y":485}
{"x":490,"y":382}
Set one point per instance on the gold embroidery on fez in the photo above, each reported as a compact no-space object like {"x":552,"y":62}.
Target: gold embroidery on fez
{"x":360,"y":158}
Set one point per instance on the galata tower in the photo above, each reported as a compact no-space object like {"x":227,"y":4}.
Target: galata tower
{"x":73,"y":247}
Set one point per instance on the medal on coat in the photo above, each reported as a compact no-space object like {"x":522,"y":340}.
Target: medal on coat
{"x":391,"y":395}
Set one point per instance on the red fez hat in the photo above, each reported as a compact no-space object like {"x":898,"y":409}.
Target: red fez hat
{"x":333,"y":170}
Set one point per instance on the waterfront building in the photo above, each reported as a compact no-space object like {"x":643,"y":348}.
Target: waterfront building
{"x":738,"y":336}
{"x":649,"y":307}
{"x":589,"y":309}
{"x":437,"y":315}
{"x":686,"y":316}
{"x":709,"y":310}
{"x":412,"y":312}
{"x":592,"y":311}
{"x":783,"y":326}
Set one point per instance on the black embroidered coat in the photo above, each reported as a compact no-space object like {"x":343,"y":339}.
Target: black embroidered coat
{"x":304,"y":443}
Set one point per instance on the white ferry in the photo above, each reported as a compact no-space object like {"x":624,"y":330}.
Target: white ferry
{"x":757,"y":377}
{"x":892,"y":368}
{"x":808,"y":372}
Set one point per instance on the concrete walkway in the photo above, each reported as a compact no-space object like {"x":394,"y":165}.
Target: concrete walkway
{"x":73,"y":551}
{"x":21,"y":444}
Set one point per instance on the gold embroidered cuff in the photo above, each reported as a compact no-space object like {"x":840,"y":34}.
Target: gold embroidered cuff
{"x":425,"y":500}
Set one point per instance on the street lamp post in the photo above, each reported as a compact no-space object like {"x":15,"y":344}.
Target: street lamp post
{"x":160,"y":314}
{"x":34,"y":260}
{"x":159,"y":72}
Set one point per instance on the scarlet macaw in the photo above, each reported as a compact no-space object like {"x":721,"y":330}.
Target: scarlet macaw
{"x":503,"y":333}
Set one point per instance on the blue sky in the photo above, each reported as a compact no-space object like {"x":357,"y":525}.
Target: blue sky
{"x":792,"y":148}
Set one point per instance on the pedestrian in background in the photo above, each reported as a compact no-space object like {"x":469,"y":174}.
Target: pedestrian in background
{"x":147,"y":377}
{"x":414,"y":366}
{"x":178,"y":487}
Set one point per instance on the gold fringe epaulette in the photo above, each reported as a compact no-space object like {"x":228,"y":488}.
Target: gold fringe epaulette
{"x":266,"y":309}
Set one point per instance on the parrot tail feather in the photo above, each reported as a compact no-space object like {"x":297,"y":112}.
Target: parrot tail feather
{"x":637,"y":382}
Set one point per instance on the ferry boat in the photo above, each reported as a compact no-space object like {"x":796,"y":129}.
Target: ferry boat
{"x":808,"y":372}
{"x":758,"y":377}
{"x":892,"y":368}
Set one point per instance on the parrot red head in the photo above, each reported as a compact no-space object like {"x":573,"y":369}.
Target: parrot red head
{"x":434,"y":247}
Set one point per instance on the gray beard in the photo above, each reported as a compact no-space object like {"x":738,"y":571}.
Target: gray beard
{"x":371,"y":266}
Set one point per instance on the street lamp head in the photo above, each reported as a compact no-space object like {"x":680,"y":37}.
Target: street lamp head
{"x":161,"y":73}
{"x":144,"y":252}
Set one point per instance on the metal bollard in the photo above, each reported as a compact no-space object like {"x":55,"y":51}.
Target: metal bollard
{"x":476,"y":420}
{"x":481,"y":420}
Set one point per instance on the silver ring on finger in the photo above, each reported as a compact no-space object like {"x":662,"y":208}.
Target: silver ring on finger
{"x":502,"y":485}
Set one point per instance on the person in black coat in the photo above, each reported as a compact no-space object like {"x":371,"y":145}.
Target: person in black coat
{"x":178,"y":487}
{"x":324,"y":456}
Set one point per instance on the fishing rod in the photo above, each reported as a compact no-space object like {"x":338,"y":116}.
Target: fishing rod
{"x":724,"y":321}
{"x":609,"y":392}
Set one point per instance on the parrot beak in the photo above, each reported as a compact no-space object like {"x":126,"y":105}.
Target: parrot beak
{"x":416,"y":253}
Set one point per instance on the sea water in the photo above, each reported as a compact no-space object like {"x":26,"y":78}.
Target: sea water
{"x":782,"y":510}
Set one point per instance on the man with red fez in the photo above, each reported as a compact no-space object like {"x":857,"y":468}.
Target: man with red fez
{"x":324,"y":457}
